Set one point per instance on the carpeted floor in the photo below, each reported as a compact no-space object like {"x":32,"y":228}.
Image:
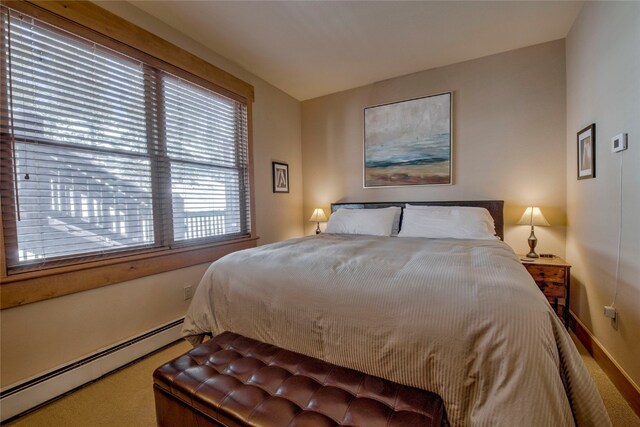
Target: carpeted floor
{"x":125,"y":398}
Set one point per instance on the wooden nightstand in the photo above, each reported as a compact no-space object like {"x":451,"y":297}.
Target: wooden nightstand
{"x":553,"y":278}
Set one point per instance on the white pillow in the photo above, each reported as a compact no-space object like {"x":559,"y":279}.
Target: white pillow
{"x":447,"y":222}
{"x":374,"y":222}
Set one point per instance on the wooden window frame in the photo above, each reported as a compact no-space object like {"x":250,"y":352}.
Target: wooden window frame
{"x":94,"y":23}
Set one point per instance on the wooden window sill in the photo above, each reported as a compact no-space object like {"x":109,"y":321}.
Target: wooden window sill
{"x":24,"y":288}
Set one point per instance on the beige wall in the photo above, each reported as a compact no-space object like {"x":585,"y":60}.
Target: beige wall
{"x":46,"y":334}
{"x":603,"y":86}
{"x":67,"y":328}
{"x":509,"y":133}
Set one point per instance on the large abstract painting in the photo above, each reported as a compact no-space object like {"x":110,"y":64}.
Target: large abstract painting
{"x":408,"y":142}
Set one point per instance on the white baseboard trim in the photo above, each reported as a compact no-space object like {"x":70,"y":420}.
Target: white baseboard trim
{"x":25,"y":395}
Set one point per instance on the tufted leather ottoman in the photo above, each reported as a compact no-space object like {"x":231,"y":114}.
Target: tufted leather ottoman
{"x":231,"y":380}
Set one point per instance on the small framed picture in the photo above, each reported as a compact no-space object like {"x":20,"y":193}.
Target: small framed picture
{"x":587,"y":152}
{"x":280,"y":177}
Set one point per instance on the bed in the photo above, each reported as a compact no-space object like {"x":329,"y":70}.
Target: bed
{"x":458,"y":317}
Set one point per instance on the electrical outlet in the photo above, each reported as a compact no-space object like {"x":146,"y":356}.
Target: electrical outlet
{"x":609,"y":311}
{"x":188,"y":292}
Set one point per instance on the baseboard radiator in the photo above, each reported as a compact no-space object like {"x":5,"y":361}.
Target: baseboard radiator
{"x":21,"y":397}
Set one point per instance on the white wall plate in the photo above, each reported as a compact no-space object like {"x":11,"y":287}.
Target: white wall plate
{"x":619,"y":142}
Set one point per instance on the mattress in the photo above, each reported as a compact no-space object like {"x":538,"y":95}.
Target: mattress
{"x":461,"y":318}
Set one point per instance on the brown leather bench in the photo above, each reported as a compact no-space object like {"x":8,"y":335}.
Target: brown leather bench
{"x":231,"y":380}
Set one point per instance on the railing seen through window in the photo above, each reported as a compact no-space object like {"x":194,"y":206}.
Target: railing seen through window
{"x":104,"y":154}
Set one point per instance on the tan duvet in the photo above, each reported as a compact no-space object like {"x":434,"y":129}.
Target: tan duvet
{"x":462,"y":318}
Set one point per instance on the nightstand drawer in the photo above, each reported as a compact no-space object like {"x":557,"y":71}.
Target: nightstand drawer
{"x":551,"y":289}
{"x":547,"y":274}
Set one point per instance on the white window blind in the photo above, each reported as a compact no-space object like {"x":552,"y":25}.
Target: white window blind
{"x":102,"y":153}
{"x":208,"y":181}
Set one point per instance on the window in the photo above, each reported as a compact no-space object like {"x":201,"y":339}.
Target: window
{"x":104,"y":155}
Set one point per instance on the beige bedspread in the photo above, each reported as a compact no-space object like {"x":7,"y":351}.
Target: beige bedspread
{"x":461,"y":318}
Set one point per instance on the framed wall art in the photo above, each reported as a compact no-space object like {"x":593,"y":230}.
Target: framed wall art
{"x":408,"y":142}
{"x":280,"y":177}
{"x":587,"y":152}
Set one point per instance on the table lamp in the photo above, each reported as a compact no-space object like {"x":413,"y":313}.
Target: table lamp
{"x":318,"y":216}
{"x":533,"y":216}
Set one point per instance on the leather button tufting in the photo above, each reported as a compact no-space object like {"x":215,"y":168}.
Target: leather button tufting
{"x":232,"y":380}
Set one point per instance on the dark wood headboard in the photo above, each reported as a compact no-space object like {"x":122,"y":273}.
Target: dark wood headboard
{"x":494,"y":207}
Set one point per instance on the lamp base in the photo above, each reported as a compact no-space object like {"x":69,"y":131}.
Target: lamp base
{"x":318,"y":229}
{"x":533,"y":241}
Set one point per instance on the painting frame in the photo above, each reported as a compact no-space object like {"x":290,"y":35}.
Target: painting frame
{"x":421,"y":130}
{"x":280,"y":177}
{"x":586,"y":146}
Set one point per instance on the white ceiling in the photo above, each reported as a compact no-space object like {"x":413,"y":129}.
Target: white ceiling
{"x":313,"y":48}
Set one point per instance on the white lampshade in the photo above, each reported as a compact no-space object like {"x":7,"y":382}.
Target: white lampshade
{"x":533,"y":216}
{"x":318,"y":216}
